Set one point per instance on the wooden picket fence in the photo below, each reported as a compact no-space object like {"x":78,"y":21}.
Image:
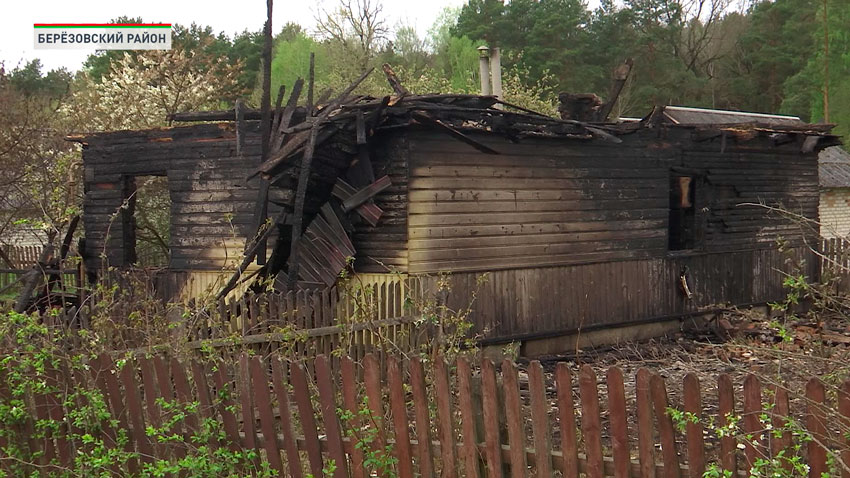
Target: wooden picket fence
{"x":835,"y":262}
{"x":439,"y":419}
{"x":22,"y":256}
{"x":321,"y":321}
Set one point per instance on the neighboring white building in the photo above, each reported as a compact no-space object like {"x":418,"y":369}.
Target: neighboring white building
{"x":834,"y":179}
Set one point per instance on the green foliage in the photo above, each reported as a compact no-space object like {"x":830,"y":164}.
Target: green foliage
{"x":39,"y":177}
{"x":291,"y":60}
{"x":245,"y":47}
{"x":774,"y":48}
{"x":788,"y":463}
{"x":33,"y":355}
{"x":767,"y":59}
{"x":30,"y":81}
{"x":459,"y":64}
{"x":483,"y":21}
{"x":363,"y":429}
{"x":804,"y":91}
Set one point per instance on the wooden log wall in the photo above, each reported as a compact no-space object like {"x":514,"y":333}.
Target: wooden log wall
{"x":575,"y":234}
{"x":384,"y":246}
{"x":755,"y":173}
{"x":538,"y":203}
{"x":212,"y":205}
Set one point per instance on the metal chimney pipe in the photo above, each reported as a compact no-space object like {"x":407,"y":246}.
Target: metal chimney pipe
{"x":496,"y":73}
{"x":484,"y":69}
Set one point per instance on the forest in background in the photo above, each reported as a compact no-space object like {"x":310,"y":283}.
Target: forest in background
{"x":782,"y":56}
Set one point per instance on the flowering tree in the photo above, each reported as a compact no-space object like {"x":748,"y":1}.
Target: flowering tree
{"x":141,"y":91}
{"x":38,"y":178}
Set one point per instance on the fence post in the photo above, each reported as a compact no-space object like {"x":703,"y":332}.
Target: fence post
{"x":726,"y":412}
{"x":665,"y":427}
{"x":301,"y":392}
{"x":287,"y":426}
{"x":844,"y":410}
{"x":590,"y":425}
{"x":469,"y":429}
{"x":696,"y":444}
{"x":816,"y":425}
{"x":442,"y":394}
{"x":752,"y":422}
{"x":619,"y":423}
{"x":567,"y":420}
{"x":401,"y":428}
{"x":513,"y":416}
{"x":327,"y":399}
{"x":492,"y":436}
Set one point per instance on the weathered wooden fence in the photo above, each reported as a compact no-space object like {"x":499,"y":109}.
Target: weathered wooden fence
{"x":21,"y":256}
{"x":18,"y":261}
{"x":348,"y":320}
{"x":314,"y":321}
{"x":448,"y":420}
{"x":835,"y":262}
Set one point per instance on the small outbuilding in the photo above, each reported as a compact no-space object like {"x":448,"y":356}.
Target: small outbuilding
{"x":834,"y":179}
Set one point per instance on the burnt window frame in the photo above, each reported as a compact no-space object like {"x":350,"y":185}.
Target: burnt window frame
{"x":688,"y":221}
{"x":129,"y":239}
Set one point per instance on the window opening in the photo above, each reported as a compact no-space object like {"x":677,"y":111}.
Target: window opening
{"x":682,"y":222}
{"x":147,"y":224}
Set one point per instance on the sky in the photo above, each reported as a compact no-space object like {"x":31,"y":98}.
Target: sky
{"x":16,"y":36}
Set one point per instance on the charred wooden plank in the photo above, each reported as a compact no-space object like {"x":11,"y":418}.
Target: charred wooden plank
{"x":311,"y":84}
{"x":395,"y":83}
{"x":286,"y":116}
{"x":360,"y":126}
{"x":240,"y":127}
{"x":258,"y":241}
{"x":300,"y":196}
{"x":369,"y":212}
{"x":357,"y":199}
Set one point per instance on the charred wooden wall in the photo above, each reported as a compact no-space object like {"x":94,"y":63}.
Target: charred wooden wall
{"x":574,"y":233}
{"x":518,"y":304}
{"x":384,"y":247}
{"x":212,"y":205}
{"x":538,"y":203}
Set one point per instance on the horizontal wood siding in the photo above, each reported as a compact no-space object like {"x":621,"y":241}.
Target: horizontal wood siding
{"x":540,"y":203}
{"x":384,"y":247}
{"x":212,"y":204}
{"x":548,"y":300}
{"x":574,"y":234}
{"x":736,"y":181}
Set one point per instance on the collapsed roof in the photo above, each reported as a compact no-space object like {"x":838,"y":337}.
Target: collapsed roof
{"x":320,"y":153}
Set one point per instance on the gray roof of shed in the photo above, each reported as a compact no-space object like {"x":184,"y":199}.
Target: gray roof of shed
{"x":834,"y":168}
{"x":833,"y":162}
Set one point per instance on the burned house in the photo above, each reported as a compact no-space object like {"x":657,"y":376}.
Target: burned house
{"x":579,"y":226}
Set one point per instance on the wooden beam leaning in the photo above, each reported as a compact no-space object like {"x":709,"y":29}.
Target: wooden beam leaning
{"x":427,"y":119}
{"x":369,"y":212}
{"x":277,"y":159}
{"x":286,"y":116}
{"x":251,"y":251}
{"x":300,"y":197}
{"x":366,"y":193}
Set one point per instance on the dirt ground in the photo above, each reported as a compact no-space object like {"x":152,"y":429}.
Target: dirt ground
{"x":787,"y":352}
